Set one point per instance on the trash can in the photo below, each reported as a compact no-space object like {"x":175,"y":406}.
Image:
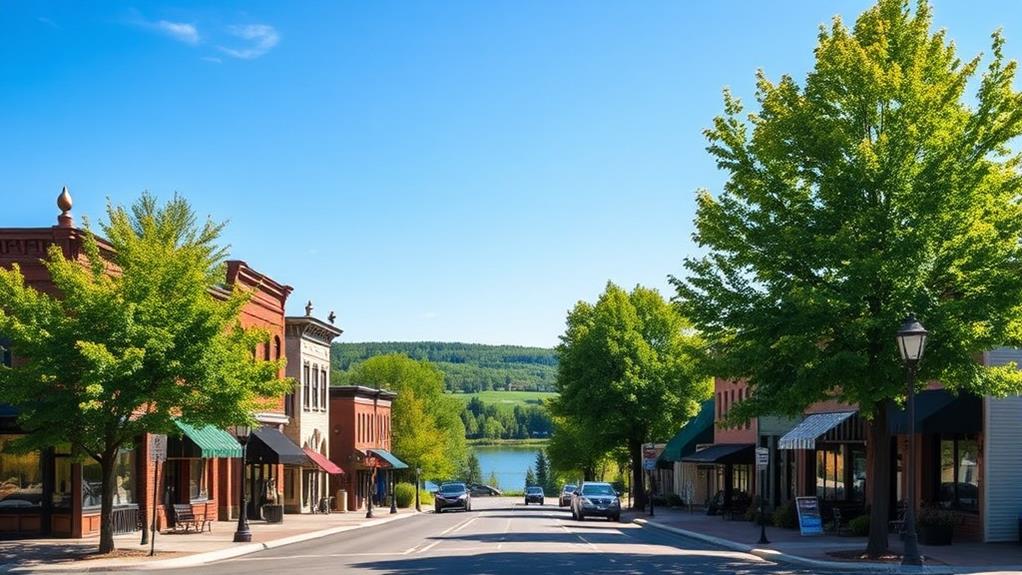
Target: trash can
{"x":341,"y":501}
{"x":1020,"y":529}
{"x":273,"y":513}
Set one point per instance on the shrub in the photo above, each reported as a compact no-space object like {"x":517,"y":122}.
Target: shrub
{"x":859,"y":526}
{"x":674,"y":500}
{"x":659,"y":501}
{"x":936,"y":517}
{"x":785,"y":516}
{"x":405,"y":494}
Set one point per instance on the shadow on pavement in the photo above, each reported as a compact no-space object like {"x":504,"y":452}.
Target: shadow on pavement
{"x":595,"y":537}
{"x":562,"y":563}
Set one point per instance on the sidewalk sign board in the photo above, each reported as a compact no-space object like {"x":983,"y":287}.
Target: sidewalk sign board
{"x":762,"y":458}
{"x":809,"y":520}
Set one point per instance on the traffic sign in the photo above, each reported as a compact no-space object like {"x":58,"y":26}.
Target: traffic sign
{"x":158,"y":447}
{"x":762,"y":458}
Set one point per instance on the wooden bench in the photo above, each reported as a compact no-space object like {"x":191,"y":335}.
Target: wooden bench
{"x":185,"y":516}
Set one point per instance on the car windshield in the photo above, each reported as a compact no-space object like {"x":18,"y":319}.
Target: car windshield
{"x":569,"y":488}
{"x":597,"y":489}
{"x":535,"y":490}
{"x":452,"y":488}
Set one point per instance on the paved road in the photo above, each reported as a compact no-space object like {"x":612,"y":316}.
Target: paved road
{"x":499,"y":536}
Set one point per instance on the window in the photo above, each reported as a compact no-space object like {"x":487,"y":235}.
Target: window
{"x":324,"y":385}
{"x":305,"y":387}
{"x":21,"y":478}
{"x":841,"y":472}
{"x":315,"y":387}
{"x":62,"y":481}
{"x":197,"y":488}
{"x":959,"y":473}
{"x":124,"y":480}
{"x":720,"y":406}
{"x":276,"y":347}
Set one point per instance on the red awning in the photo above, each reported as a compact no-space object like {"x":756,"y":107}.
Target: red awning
{"x":322,"y":462}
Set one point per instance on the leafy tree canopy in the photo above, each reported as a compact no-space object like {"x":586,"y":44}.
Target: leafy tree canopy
{"x":132,"y":342}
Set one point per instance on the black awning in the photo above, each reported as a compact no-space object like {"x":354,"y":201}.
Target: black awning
{"x":724,"y":453}
{"x":268,"y":446}
{"x":939,"y":411}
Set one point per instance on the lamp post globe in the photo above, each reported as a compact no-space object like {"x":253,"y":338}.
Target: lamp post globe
{"x":911,"y":345}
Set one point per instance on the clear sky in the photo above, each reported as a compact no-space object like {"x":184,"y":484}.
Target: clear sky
{"x":459,"y":171}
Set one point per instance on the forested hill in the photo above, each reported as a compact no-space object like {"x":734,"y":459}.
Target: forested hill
{"x":467,"y":367}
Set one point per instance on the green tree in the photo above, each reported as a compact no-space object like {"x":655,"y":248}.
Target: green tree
{"x":530,"y":477}
{"x":874,"y":188}
{"x":543,"y":472}
{"x":120,"y":354}
{"x":627,"y":372}
{"x":472,"y":473}
{"x":492,"y":480}
{"x":426,"y":424}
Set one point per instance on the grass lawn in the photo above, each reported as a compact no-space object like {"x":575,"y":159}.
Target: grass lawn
{"x":508,"y":398}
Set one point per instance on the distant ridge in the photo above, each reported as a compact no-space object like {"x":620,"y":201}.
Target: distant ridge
{"x":467,"y":367}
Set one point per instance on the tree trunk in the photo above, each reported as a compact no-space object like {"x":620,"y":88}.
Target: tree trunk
{"x":878,"y":449}
{"x":635,"y":451}
{"x":106,"y":519}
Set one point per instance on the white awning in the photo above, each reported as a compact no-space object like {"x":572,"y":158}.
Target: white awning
{"x":805,"y":434}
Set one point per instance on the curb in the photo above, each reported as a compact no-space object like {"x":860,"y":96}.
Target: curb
{"x":781,"y":557}
{"x":209,"y":556}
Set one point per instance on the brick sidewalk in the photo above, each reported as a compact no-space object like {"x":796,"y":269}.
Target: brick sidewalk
{"x":789,"y":541}
{"x":183,"y":548}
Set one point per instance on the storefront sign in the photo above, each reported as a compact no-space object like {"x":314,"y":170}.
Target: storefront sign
{"x":809,"y":520}
{"x":649,"y":456}
{"x":158,"y":447}
{"x":762,"y":458}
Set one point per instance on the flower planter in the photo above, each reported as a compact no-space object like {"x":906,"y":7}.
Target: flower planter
{"x":935,"y":534}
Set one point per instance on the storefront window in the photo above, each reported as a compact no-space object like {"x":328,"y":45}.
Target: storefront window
{"x":20,"y":477}
{"x":830,"y":473}
{"x":858,"y":474}
{"x":959,"y":473}
{"x":62,"y":482}
{"x":197,"y":489}
{"x":124,"y":480}
{"x":740,"y":478}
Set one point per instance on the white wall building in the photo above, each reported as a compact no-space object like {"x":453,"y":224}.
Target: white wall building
{"x":307,"y":341}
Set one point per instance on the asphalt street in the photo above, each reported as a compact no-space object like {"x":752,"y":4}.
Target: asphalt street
{"x":499,"y":536}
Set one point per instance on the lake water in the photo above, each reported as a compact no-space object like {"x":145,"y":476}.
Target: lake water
{"x":508,"y":462}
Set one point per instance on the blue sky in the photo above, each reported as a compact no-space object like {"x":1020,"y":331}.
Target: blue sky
{"x":459,"y":171}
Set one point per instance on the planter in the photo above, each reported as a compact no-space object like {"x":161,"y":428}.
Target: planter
{"x":273,"y":513}
{"x":935,"y":534}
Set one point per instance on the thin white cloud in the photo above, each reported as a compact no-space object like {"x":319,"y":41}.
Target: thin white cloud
{"x":212,"y":59}
{"x":261,"y":37}
{"x":48,"y":22}
{"x":180,"y":31}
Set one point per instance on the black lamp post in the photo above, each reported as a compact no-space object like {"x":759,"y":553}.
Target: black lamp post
{"x":911,"y":344}
{"x":393,"y":500}
{"x":418,"y":471}
{"x":242,"y":534}
{"x":371,"y":492}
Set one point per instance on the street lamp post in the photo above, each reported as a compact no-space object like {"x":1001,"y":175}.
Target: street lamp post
{"x":911,"y":344}
{"x":370,"y":492}
{"x":393,"y":499}
{"x":243,"y":534}
{"x":418,"y":471}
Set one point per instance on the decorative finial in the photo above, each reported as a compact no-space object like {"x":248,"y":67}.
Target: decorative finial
{"x":308,"y":308}
{"x":64,"y":203}
{"x":331,"y":317}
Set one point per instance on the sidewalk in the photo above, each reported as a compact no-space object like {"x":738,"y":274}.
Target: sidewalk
{"x":180,"y":549}
{"x":787,"y":545}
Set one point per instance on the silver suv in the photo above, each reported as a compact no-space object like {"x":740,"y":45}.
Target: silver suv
{"x":595,"y":499}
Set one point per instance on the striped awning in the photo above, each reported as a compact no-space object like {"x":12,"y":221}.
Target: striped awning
{"x":805,"y":434}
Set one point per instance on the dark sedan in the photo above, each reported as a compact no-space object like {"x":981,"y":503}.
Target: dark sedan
{"x":598,"y":499}
{"x":452,"y":496}
{"x":534,"y":495}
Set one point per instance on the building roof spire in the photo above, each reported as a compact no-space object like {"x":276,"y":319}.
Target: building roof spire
{"x":64,"y":220}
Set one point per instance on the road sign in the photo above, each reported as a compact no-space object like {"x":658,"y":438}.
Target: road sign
{"x":158,"y":447}
{"x":649,"y":457}
{"x":762,"y":458}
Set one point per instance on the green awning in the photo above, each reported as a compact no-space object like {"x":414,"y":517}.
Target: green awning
{"x":210,"y":441}
{"x":388,"y":457}
{"x":698,"y":430}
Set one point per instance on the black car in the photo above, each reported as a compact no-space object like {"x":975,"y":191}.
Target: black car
{"x":534,"y":495}
{"x":452,"y":496}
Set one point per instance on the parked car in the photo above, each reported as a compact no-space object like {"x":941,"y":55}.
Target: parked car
{"x":534,"y":495}
{"x":595,"y":499}
{"x":480,"y":490}
{"x":565,"y":499}
{"x":452,"y":496}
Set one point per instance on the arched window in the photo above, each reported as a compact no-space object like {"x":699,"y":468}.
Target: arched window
{"x":266,"y":351}
{"x":323,"y":389}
